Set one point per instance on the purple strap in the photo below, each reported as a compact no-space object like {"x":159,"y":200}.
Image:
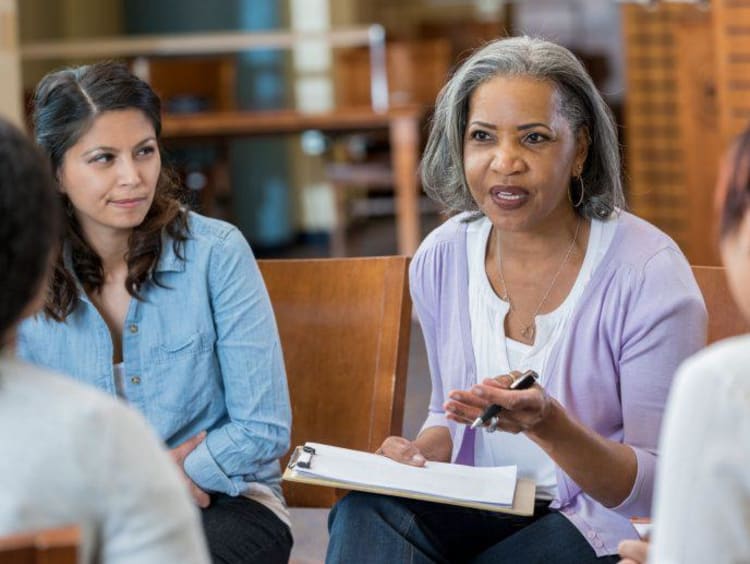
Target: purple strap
{"x":466,"y":452}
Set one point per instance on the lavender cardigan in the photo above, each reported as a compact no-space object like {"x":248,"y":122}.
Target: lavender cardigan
{"x":639,"y":316}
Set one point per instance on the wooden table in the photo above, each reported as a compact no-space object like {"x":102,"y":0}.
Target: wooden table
{"x":402,"y":124}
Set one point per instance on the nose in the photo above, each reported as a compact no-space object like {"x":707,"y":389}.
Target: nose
{"x":506,"y":159}
{"x":128,"y":173}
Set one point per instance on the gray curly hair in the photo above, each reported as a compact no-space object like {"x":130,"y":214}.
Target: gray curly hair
{"x":579,"y":102}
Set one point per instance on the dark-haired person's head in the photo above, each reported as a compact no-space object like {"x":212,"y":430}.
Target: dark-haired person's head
{"x":29,"y":225}
{"x":734,"y":203}
{"x":93,"y":122}
{"x":67,"y":102}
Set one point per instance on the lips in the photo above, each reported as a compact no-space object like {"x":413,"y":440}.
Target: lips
{"x":509,"y":197}
{"x":128,"y":202}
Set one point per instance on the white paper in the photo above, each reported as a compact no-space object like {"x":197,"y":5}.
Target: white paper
{"x":494,"y":485}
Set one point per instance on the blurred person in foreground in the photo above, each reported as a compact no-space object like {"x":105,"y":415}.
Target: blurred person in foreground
{"x":70,"y":454}
{"x":702,"y":501}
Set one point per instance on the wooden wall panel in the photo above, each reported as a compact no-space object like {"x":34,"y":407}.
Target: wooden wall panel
{"x":655,"y":176}
{"x":732,"y":32}
{"x":671,"y":122}
{"x":700,"y":138}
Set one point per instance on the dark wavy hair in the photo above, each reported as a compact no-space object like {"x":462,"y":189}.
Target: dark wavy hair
{"x":734,"y":196}
{"x":30,"y":222}
{"x":65,"y":105}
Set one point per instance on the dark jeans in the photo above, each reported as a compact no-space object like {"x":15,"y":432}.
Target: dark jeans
{"x":375,"y":528}
{"x":240,"y":530}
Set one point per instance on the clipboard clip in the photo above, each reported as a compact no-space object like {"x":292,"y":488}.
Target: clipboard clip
{"x":302,"y":457}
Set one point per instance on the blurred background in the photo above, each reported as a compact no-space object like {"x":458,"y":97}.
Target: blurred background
{"x":302,"y":121}
{"x":305,"y":128}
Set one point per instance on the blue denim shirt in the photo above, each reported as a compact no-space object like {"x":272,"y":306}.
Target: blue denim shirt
{"x":200,"y":353}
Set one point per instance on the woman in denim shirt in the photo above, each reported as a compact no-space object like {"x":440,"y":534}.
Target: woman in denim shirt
{"x":163,"y":307}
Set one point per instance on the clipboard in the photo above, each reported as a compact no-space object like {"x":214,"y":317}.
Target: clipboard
{"x":303,"y":458}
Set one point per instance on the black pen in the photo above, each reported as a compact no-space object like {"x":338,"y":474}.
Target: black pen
{"x":524,"y":381}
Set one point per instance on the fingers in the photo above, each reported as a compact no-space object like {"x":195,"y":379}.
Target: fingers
{"x":402,"y":450}
{"x":461,"y":413}
{"x":508,"y":425}
{"x":504,"y":380}
{"x":190,"y":444}
{"x":465,"y":406}
{"x":633,"y":550}
{"x":463,"y":420}
{"x":469,"y":398}
{"x":183,"y":449}
{"x":493,"y":391}
{"x":201,"y":498}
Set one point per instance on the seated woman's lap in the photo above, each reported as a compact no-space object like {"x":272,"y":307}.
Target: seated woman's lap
{"x":550,"y":539}
{"x":374,"y":528}
{"x":239,"y":529}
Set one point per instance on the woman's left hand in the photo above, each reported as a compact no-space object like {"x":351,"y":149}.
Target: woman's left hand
{"x":633,"y":552}
{"x":522,"y":410}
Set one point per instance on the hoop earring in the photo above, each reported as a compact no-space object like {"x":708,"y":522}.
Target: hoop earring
{"x":583,"y":192}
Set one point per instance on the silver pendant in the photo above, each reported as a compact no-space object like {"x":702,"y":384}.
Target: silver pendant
{"x":528,"y":332}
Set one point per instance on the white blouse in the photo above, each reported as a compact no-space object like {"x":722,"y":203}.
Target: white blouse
{"x":495,"y":355}
{"x":702,"y":495}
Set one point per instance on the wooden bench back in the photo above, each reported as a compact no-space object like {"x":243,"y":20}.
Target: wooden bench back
{"x":344,"y":326}
{"x":49,"y":546}
{"x":724,"y":318}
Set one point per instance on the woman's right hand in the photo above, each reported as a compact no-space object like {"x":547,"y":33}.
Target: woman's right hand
{"x":178,"y":454}
{"x":402,"y":450}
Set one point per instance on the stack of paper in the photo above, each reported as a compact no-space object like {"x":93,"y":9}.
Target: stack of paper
{"x":436,"y":481}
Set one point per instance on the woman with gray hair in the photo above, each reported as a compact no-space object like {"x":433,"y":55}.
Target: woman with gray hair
{"x":541,"y":269}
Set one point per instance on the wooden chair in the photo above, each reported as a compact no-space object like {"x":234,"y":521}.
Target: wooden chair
{"x":724,"y":318}
{"x":344,"y":326}
{"x":49,"y":546}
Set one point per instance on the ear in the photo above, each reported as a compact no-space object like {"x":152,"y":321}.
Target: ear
{"x":583,"y":140}
{"x":743,"y":234}
{"x":58,"y":181}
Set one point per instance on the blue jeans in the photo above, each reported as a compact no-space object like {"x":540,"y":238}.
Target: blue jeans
{"x":383,"y":529}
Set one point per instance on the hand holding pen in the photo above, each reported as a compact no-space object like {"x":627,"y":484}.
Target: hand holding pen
{"x":522,"y":382}
{"x":522,"y":403}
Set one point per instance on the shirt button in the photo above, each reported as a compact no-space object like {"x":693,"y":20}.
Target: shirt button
{"x":598,"y":543}
{"x":591,"y":534}
{"x":133,"y":328}
{"x":135,"y":379}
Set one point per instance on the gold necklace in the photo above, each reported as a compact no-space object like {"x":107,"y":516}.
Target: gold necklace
{"x":528,"y":331}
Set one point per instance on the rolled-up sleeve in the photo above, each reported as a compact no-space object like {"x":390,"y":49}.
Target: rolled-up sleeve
{"x":253,"y":375}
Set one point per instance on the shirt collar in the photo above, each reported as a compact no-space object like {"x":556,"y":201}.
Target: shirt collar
{"x":169,"y":261}
{"x":67,"y":257}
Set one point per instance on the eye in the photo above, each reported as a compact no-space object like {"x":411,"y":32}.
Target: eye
{"x":102,"y":158}
{"x":145,"y":151}
{"x":534,"y":138}
{"x":479,"y":135}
